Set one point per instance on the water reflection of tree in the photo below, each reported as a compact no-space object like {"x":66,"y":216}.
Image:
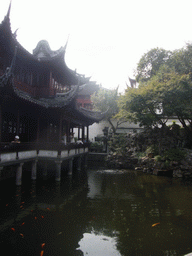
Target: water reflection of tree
{"x":124,"y":206}
{"x":127,"y":209}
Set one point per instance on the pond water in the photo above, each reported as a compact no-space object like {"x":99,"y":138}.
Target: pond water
{"x":97,"y":213}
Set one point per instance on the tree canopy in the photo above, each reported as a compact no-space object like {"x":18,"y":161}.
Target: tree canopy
{"x":106,"y":101}
{"x":165,"y":89}
{"x":151,"y":62}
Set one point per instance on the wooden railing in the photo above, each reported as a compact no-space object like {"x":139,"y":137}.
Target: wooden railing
{"x":24,"y":146}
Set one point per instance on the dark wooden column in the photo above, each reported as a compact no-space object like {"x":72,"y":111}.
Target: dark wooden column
{"x":87,"y":133}
{"x":38,"y":128}
{"x":0,"y":124}
{"x":68,"y":131}
{"x":60,"y":128}
{"x":47,"y":131}
{"x":18,"y":122}
{"x":83,"y":133}
{"x":79,"y":133}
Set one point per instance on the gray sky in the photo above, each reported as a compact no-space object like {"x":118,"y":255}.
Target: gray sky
{"x":106,"y":37}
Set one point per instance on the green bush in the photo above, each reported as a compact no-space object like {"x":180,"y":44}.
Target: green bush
{"x":140,"y":155}
{"x":96,"y":147}
{"x":158,"y":158}
{"x":174,"y":154}
{"x":153,"y":149}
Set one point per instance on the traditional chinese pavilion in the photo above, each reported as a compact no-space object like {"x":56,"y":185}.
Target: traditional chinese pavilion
{"x":84,"y":95}
{"x":38,"y":92}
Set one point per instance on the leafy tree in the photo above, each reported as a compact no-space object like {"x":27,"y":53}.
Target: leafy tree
{"x":176,"y":94}
{"x":165,"y":90}
{"x":181,"y":60}
{"x":150,"y":63}
{"x":106,"y":101}
{"x":142,"y":105}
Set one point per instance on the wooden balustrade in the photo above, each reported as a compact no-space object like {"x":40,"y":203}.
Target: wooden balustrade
{"x":24,"y":146}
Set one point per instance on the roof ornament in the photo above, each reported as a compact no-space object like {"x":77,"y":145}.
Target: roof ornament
{"x":9,"y":10}
{"x":132,"y":82}
{"x":65,"y":47}
{"x":43,"y":51}
{"x":15,"y":34}
{"x":7,"y":16}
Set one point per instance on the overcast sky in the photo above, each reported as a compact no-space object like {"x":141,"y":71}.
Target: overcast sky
{"x":106,"y":37}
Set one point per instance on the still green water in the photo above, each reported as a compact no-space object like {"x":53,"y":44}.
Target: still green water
{"x":97,"y":213}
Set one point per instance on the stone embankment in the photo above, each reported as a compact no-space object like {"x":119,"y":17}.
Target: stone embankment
{"x":121,"y":162}
{"x":178,"y":169}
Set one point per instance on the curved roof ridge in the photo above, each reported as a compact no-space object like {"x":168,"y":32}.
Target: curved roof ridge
{"x":55,"y":102}
{"x":96,"y":115}
{"x":43,"y":50}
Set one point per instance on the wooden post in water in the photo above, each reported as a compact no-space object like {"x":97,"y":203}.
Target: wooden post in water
{"x":45,"y":167}
{"x":85,"y":160}
{"x":58,"y":170}
{"x":79,"y":163}
{"x":70,"y":166}
{"x":1,"y":169}
{"x":19,"y":174}
{"x":34,"y":170}
{"x":0,"y":123}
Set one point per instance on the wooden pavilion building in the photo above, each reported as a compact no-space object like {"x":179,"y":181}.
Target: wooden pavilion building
{"x":38,"y":103}
{"x":38,"y":92}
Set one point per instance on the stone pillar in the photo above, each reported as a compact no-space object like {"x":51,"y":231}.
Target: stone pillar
{"x":79,"y":163}
{"x":19,"y":174}
{"x":58,"y":170}
{"x":70,"y":166}
{"x":34,"y":170}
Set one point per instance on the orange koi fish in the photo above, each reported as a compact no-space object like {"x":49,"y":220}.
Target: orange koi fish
{"x":22,"y":223}
{"x":42,"y":245}
{"x":48,"y":208}
{"x":42,"y":252}
{"x":155,"y":224}
{"x":13,"y":229}
{"x":21,"y":235}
